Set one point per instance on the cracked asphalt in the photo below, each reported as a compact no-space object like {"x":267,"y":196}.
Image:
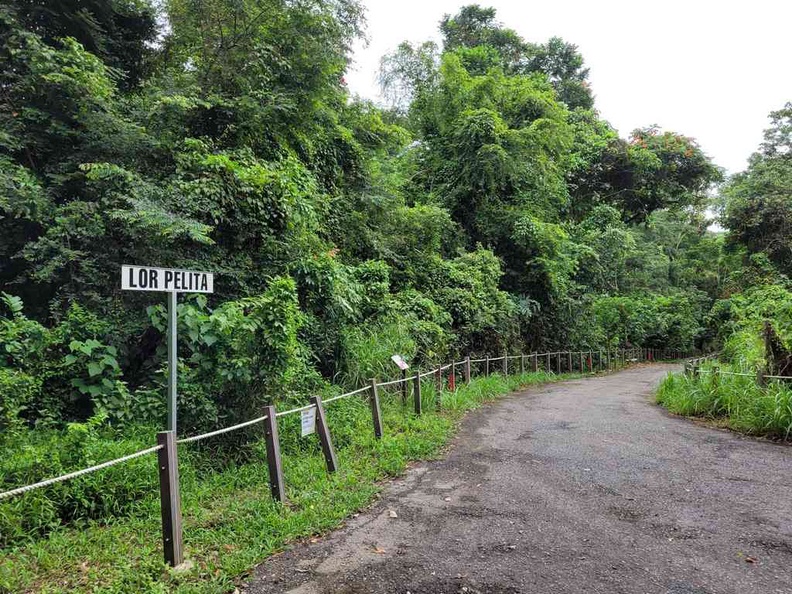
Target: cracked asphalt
{"x":580,"y":486}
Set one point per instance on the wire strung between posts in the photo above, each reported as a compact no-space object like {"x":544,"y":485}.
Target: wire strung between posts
{"x":221,"y":431}
{"x":77,"y":473}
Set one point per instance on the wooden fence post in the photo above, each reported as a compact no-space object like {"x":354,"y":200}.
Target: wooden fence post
{"x":273,"y":455}
{"x":170,"y":500}
{"x":467,"y":370}
{"x":404,"y":387}
{"x":325,"y":439}
{"x":535,"y":363}
{"x":417,"y":393}
{"x":582,"y":364}
{"x":375,"y":409}
{"x":486,"y":369}
{"x":505,"y":364}
{"x":569,"y":361}
{"x":761,"y":380}
{"x":547,"y":367}
{"x":558,"y":362}
{"x":439,"y":387}
{"x":522,"y":364}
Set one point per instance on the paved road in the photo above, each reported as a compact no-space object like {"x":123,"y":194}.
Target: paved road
{"x":583,"y":486}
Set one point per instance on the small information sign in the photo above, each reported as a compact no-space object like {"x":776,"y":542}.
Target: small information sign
{"x":308,"y":417}
{"x":402,"y":364}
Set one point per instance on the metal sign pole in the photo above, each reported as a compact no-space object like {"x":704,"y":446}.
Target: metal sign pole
{"x":173,"y":360}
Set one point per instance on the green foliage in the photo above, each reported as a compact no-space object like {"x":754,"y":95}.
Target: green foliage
{"x":758,"y":202}
{"x":735,"y":401}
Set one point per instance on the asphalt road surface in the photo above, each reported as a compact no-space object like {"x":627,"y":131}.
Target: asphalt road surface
{"x":581,"y":486}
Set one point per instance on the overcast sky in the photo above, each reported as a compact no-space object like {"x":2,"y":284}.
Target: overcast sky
{"x":710,"y":69}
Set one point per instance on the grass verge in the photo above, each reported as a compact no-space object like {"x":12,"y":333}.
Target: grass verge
{"x":230,"y":520}
{"x":736,"y":402}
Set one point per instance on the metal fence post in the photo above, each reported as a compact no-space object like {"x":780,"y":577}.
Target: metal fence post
{"x":467,"y":369}
{"x":273,"y":455}
{"x":375,"y":409}
{"x":417,"y":393}
{"x":170,"y":500}
{"x":325,"y":439}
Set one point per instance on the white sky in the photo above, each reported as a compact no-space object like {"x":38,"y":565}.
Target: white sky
{"x":710,"y":69}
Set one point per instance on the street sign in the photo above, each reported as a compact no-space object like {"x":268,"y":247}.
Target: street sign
{"x":308,"y":421}
{"x":149,"y":278}
{"x":173,"y":282}
{"x":400,"y":362}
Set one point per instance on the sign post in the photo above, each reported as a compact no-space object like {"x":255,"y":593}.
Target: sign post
{"x":173,"y":282}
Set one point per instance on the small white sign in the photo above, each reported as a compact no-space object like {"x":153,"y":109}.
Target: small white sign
{"x":148,"y":278}
{"x":400,"y":362}
{"x":308,"y":418}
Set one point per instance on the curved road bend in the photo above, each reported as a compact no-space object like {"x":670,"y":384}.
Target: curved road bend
{"x":578,"y":487}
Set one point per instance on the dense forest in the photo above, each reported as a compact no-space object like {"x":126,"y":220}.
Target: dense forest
{"x":486,"y":208}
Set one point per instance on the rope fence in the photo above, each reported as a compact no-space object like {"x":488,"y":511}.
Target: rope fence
{"x":167,"y":441}
{"x":78,"y":473}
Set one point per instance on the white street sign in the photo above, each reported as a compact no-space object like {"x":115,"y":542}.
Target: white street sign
{"x":148,"y":278}
{"x":308,"y":418}
{"x":400,"y":362}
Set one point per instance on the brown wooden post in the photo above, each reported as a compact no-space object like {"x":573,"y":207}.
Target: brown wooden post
{"x":467,"y":369}
{"x":439,"y":388}
{"x":761,"y":380}
{"x":582,"y":364}
{"x":273,"y":455}
{"x":505,"y":364}
{"x":535,"y":363}
{"x":522,"y":364}
{"x":375,"y":409}
{"x":404,"y":387}
{"x":558,"y":362}
{"x":417,"y":393}
{"x":170,"y":500}
{"x":486,"y":369}
{"x":325,"y":439}
{"x":715,"y":377}
{"x":569,"y":361}
{"x":547,"y":366}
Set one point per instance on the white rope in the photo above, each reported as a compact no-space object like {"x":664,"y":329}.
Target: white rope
{"x":294,"y":410}
{"x":72,"y":475}
{"x":221,"y":431}
{"x":391,"y":383}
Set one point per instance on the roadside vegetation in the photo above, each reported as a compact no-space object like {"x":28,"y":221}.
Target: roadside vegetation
{"x":486,"y":208}
{"x":231,"y":521}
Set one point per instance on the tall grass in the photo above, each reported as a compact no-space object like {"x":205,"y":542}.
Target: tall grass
{"x":737,"y":401}
{"x":230,"y":521}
